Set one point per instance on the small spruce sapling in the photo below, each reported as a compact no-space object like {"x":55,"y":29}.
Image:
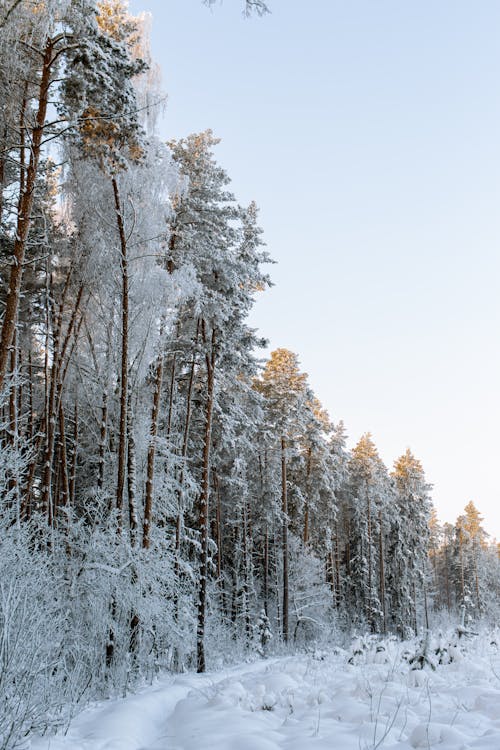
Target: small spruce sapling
{"x":422,"y":657}
{"x":264,"y":633}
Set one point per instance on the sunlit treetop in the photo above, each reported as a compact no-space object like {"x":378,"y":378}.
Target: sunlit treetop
{"x":114,"y":20}
{"x":470,"y":524}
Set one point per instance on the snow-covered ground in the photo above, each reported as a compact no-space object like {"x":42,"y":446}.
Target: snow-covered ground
{"x":316,"y":702}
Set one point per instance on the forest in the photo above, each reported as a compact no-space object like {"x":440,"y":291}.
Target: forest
{"x":171,"y":499}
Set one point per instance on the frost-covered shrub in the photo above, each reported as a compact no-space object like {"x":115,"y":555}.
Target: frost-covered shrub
{"x":33,"y":681}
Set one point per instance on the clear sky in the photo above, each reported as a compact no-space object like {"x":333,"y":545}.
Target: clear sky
{"x":368,"y":131}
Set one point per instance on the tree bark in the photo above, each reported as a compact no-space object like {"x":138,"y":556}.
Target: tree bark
{"x":284,"y":510}
{"x":218,"y":526}
{"x":131,"y":475}
{"x":306,"y":510}
{"x":57,"y":375}
{"x":369,"y":600}
{"x":26,"y":201}
{"x":65,"y":492}
{"x":122,"y":439}
{"x":74,"y":457}
{"x":185,"y":440}
{"x":204,"y":502}
{"x":102,"y":440}
{"x":337,"y":564}
{"x":148,"y":504}
{"x":382,"y":573}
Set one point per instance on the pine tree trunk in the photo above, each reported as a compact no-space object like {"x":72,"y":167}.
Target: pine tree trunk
{"x":13,"y":392}
{"x":266,"y":571}
{"x":246,"y":577}
{"x":57,"y":375}
{"x":306,"y":510}
{"x":337,"y":564}
{"x":13,"y":423}
{"x":131,"y":475}
{"x":369,"y":598}
{"x":122,"y":438}
{"x":204,"y":504}
{"x":462,"y":572}
{"x":265,"y":556}
{"x":426,"y":609}
{"x":74,"y":457}
{"x":330,"y":575}
{"x":24,"y":215}
{"x":179,"y":522}
{"x":65,"y":492}
{"x":171,"y":398}
{"x":184,"y":449}
{"x":476,"y":576}
{"x":284,"y":510}
{"x":447,"y":576}
{"x":218,"y":526}
{"x":148,"y":504}
{"x":31,"y":413}
{"x":382,"y":574}
{"x":102,"y":440}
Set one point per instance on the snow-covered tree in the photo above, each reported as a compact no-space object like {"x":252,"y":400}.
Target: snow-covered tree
{"x":369,"y":492}
{"x":408,"y":542}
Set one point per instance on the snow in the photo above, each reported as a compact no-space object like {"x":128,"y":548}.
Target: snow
{"x":306,"y":702}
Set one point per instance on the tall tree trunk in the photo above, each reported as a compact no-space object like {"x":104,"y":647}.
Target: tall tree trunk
{"x":306,"y":510}
{"x":13,"y":423}
{"x":103,"y":429}
{"x":369,"y":598}
{"x":57,"y":375}
{"x":184,"y":449}
{"x":171,"y":399}
{"x":218,"y":526}
{"x":153,"y":430}
{"x":24,"y":215}
{"x":265,"y":556}
{"x":284,"y":510}
{"x":382,"y":573}
{"x":476,"y":575}
{"x":246,"y":576}
{"x":13,"y":392}
{"x":131,"y":475}
{"x":447,"y":576}
{"x":330,"y":574}
{"x":31,"y":412}
{"x":204,"y":502}
{"x":179,"y":521}
{"x":462,"y":571}
{"x":74,"y":457}
{"x":337,"y":564}
{"x":122,"y":439}
{"x":266,"y":571}
{"x":64,"y":495}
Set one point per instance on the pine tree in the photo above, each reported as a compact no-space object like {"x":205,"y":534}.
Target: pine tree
{"x":220,"y":242}
{"x":470,"y":541}
{"x":285,"y":392}
{"x":369,"y":490}
{"x":408,"y":542}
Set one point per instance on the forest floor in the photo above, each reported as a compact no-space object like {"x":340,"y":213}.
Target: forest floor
{"x":307,"y":702}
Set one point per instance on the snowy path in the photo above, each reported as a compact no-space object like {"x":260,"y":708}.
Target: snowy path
{"x":303,"y":703}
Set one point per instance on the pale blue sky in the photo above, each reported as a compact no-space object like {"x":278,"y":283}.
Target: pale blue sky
{"x":368,"y":131}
